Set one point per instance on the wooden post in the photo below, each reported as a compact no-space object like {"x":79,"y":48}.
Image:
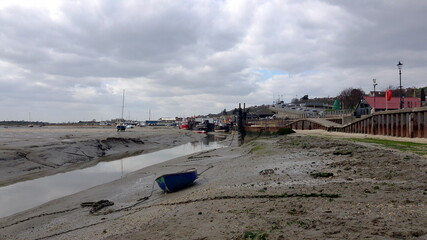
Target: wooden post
{"x":373,"y":122}
{"x":419,"y":124}
{"x":240,"y":126}
{"x":403,"y":125}
{"x":366,"y":126}
{"x":398,"y":124}
{"x":392,"y":128}
{"x":411,"y":125}
{"x":387,"y":117}
{"x":385,"y":124}
{"x":425,"y":124}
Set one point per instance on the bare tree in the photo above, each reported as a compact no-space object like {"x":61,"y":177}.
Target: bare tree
{"x":295,"y":100}
{"x":350,"y":97}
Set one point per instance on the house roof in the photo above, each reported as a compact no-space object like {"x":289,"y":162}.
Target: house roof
{"x":394,"y":103}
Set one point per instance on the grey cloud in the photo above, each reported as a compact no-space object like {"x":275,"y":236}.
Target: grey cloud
{"x":161,"y":51}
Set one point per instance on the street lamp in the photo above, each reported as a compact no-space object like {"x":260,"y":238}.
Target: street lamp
{"x":399,"y":65}
{"x":375,"y":84}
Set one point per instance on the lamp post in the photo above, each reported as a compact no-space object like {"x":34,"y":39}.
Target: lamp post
{"x":399,"y":66}
{"x":375,"y":84}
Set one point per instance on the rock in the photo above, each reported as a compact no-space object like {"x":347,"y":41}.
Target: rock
{"x":266,"y":172}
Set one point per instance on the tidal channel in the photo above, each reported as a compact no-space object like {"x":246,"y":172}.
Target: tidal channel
{"x":25,"y":195}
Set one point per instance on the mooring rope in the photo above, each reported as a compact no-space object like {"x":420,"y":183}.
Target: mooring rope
{"x":211,"y":166}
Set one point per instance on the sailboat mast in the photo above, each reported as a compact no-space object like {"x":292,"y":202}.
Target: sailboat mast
{"x":123,"y":103}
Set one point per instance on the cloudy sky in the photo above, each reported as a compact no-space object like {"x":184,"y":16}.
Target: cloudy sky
{"x":70,"y":60}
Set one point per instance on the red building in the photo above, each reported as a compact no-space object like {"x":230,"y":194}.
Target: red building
{"x":380,"y":104}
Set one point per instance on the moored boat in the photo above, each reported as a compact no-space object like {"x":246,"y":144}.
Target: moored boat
{"x":185,"y":126}
{"x":199,"y":131}
{"x":176,"y":181}
{"x":121,"y":127}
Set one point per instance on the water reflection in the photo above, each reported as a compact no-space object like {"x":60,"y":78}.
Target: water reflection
{"x":24,"y":195}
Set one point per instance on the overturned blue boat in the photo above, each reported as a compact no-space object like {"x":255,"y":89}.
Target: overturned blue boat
{"x":176,"y":181}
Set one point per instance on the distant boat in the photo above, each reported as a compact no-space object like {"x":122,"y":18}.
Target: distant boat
{"x":200,"y":131}
{"x":221,"y":127}
{"x":185,"y":126}
{"x":121,"y":127}
{"x":176,"y":181}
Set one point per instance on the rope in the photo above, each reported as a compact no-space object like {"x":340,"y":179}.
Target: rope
{"x":223,"y":197}
{"x":38,"y":216}
{"x":96,"y":206}
{"x":211,"y":166}
{"x":139,"y":201}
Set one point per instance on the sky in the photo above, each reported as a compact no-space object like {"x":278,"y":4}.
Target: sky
{"x":71,"y":60}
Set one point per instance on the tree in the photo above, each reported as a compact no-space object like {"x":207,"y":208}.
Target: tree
{"x":295,"y":101}
{"x":350,"y":97}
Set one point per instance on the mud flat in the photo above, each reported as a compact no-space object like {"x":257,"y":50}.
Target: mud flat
{"x":289,"y":187}
{"x":29,"y":153}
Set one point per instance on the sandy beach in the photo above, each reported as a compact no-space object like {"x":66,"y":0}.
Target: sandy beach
{"x":308,"y":185}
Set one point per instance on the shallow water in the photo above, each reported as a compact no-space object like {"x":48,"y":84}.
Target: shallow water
{"x":25,"y":195}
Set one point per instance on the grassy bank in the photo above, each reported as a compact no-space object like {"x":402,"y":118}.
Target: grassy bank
{"x":418,"y":148}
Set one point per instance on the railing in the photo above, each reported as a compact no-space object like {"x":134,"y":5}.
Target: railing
{"x":335,"y":113}
{"x":298,"y":114}
{"x":410,"y":123}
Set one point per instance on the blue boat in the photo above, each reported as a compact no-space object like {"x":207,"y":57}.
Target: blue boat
{"x":176,"y":181}
{"x":121,"y":128}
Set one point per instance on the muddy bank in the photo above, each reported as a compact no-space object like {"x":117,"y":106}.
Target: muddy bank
{"x":28,"y":153}
{"x":288,"y":187}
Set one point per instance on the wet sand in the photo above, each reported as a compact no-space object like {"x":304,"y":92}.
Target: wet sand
{"x":299,"y":186}
{"x":29,"y":153}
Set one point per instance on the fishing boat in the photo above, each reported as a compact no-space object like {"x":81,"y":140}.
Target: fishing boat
{"x":176,"y":181}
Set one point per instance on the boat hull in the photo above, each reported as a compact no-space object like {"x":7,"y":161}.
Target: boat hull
{"x":176,"y":181}
{"x":121,"y":128}
{"x":199,"y":131}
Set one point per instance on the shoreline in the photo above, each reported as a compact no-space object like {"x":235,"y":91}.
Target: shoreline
{"x":64,"y":149}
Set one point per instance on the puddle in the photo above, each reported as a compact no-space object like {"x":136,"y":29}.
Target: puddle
{"x":25,"y":195}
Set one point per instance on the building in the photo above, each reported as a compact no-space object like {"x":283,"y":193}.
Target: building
{"x":380,"y":104}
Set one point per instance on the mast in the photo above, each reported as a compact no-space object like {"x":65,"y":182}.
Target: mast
{"x":123,"y":103}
